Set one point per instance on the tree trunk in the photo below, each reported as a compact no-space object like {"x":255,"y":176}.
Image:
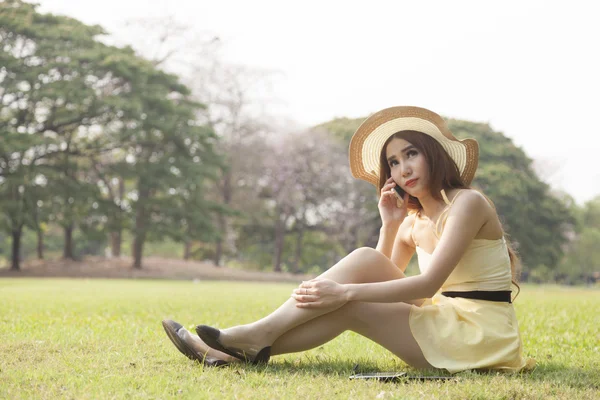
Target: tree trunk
{"x":117,"y":236}
{"x":138,"y":247}
{"x":187,"y":250}
{"x":140,"y":226}
{"x":68,"y":249}
{"x":219,"y":244}
{"x":140,"y":238}
{"x":115,"y":243}
{"x":298,"y":255}
{"x":227,"y":193}
{"x":16,"y":249}
{"x":40,"y":244}
{"x":279,"y":239}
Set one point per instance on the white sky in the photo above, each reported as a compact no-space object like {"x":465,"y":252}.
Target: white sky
{"x":529,"y":68}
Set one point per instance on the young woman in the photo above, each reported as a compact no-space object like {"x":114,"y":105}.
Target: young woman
{"x":457,"y":314}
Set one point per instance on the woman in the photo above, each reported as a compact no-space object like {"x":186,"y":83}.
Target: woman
{"x":457,"y":314}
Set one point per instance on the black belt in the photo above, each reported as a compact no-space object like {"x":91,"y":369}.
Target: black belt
{"x":501,"y":295}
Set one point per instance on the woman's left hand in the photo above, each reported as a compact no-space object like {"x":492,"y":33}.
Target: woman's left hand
{"x":320,"y":293}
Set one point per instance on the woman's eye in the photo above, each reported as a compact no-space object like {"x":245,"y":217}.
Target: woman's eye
{"x":412,"y":153}
{"x":393,"y":162}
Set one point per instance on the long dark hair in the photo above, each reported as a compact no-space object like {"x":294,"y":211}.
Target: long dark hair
{"x":443,"y":174}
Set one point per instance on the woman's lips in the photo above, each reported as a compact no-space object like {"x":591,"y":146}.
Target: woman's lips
{"x":411,"y":182}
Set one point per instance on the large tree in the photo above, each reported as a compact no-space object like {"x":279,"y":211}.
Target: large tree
{"x":51,"y":72}
{"x":66,"y":99}
{"x":235,"y":101}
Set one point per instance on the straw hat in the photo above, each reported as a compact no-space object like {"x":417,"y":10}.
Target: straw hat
{"x":368,"y":140}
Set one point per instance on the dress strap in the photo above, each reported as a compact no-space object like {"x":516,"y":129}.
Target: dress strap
{"x":442,"y":218}
{"x":443,"y":192}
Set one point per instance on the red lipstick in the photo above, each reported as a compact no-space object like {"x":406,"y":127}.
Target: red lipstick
{"x":411,"y":182}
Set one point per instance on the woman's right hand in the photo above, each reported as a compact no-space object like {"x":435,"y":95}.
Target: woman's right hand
{"x":388,"y":204}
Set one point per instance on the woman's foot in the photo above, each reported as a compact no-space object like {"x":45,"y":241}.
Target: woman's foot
{"x":233,"y":342}
{"x":192,"y":347}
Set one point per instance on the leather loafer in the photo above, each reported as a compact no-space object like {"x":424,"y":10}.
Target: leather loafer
{"x":173,"y":330}
{"x":210,"y":336}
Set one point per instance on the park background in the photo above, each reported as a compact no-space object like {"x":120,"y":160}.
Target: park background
{"x":207,"y":141}
{"x":153,"y":140}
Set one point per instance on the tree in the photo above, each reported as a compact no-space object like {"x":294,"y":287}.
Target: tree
{"x":165,"y":146}
{"x":582,"y":260}
{"x":357,"y":220}
{"x":233,"y":109}
{"x":236,"y":114}
{"x":48,"y":90}
{"x":302,"y":185}
{"x":66,"y":99}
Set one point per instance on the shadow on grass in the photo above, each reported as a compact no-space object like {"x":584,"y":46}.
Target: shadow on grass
{"x":556,"y":374}
{"x":553,"y":373}
{"x":562,"y":375}
{"x":318,"y":366}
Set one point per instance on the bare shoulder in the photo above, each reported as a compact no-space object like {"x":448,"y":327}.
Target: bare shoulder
{"x":474,"y":208}
{"x":472,"y":203}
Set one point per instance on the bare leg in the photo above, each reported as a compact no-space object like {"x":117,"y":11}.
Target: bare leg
{"x":384,"y":323}
{"x":361,"y":266}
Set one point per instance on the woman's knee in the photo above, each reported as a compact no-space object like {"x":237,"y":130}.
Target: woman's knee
{"x":366,"y":264}
{"x":367,"y":254}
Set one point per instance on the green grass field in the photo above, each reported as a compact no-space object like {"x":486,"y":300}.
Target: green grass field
{"x":102,"y":339}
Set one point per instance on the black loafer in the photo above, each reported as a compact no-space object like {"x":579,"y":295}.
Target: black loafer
{"x":210,"y":336}
{"x":172,"y":329}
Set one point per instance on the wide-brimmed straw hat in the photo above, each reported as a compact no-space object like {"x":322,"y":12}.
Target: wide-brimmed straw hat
{"x":368,"y":140}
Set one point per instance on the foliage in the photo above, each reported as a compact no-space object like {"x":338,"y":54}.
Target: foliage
{"x":75,"y":111}
{"x":582,"y":261}
{"x":100,"y":142}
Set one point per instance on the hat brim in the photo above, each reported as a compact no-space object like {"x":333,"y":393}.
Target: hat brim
{"x":368,"y":140}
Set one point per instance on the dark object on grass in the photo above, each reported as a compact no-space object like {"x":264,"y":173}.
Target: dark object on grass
{"x":172,"y":329}
{"x":397,"y":377}
{"x":210,"y":336}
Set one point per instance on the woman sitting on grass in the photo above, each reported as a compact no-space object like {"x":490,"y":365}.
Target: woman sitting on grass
{"x":457,"y":314}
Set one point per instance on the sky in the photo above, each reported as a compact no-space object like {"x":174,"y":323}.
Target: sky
{"x":531,"y":69}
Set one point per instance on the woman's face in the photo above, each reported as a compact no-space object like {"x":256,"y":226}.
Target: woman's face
{"x":408,"y":167}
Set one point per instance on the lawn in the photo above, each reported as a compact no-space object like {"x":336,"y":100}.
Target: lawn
{"x":102,"y":339}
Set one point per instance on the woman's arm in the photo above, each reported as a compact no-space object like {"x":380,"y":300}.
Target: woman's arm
{"x":395,"y":243}
{"x":466,"y":217}
{"x":391,"y":217}
{"x":387,"y":235}
{"x":404,"y":247}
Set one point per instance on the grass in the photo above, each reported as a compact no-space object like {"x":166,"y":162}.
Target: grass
{"x":102,"y":339}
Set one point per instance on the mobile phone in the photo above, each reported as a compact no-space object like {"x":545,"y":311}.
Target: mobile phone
{"x":399,"y":195}
{"x":398,"y":376}
{"x":380,"y":376}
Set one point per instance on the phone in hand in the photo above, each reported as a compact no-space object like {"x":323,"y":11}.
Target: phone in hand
{"x":399,"y":193}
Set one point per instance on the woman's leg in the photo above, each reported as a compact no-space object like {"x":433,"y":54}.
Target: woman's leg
{"x":384,"y":323}
{"x":361,"y":266}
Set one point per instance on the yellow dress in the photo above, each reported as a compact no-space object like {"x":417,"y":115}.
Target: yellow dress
{"x":460,"y":334}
